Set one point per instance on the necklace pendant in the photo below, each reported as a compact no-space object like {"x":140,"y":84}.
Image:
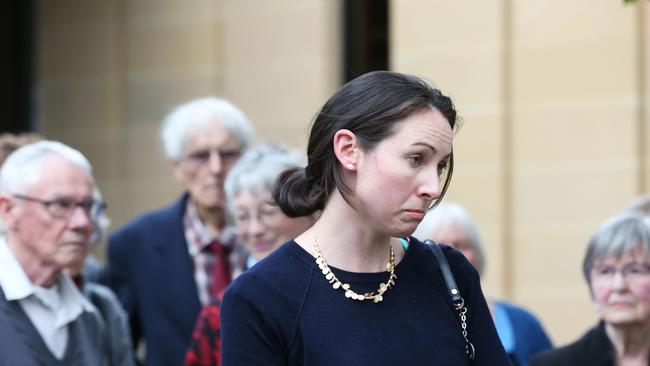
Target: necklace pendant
{"x":349,"y":293}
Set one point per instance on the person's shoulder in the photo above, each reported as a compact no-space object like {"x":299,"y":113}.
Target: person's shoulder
{"x":100,"y":294}
{"x":452,"y":254}
{"x":154,"y":220}
{"x":526,"y":326}
{"x":590,"y":349}
{"x":519,"y":313}
{"x":153,"y":217}
{"x":459,"y":265}
{"x":283,"y":274}
{"x":93,"y":321}
{"x":105,"y":302}
{"x":278,"y":267}
{"x":561,"y":356}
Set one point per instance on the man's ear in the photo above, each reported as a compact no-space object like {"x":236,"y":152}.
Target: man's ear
{"x":7,"y":210}
{"x":346,"y":148}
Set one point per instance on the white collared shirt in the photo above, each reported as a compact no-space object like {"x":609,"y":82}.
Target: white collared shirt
{"x":52,"y":309}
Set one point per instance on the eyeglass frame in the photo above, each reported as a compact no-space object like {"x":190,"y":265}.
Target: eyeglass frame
{"x":201,"y":157}
{"x":265,"y":213}
{"x":86,"y":205}
{"x":627,"y":271}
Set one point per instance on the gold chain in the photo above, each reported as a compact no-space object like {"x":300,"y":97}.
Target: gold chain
{"x":336,"y":284}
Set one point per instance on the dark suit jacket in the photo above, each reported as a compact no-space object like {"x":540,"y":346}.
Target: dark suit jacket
{"x":151,"y":272}
{"x":593,"y":349}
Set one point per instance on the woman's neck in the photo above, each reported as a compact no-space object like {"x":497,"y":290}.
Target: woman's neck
{"x":631,"y":342}
{"x":347,"y":242}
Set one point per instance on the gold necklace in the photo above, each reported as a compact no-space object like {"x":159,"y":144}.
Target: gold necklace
{"x":336,"y":284}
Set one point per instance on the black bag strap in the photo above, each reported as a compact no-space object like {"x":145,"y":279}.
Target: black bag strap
{"x":446,"y":272}
{"x":454,"y":293}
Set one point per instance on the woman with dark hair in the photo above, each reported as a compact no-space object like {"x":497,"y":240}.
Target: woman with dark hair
{"x":356,"y":288}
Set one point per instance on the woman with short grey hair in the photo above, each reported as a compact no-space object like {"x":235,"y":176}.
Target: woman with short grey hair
{"x":450,"y":214}
{"x":260,"y":223}
{"x":617,"y":269}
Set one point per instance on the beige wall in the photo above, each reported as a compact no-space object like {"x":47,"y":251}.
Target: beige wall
{"x":281,"y":62}
{"x":551,"y":95}
{"x":554,"y":97}
{"x":108,"y":71}
{"x":465,"y":62}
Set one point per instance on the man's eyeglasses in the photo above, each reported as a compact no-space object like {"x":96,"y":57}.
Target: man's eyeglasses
{"x":630,"y":271}
{"x":64,"y":207}
{"x":202,"y":157}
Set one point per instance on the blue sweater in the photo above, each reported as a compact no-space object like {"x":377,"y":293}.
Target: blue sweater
{"x":283,"y":311}
{"x":521,"y":333}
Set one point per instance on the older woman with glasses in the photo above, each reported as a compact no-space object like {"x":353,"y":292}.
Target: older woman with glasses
{"x":260,"y":223}
{"x":617,"y":269}
{"x":261,"y":226}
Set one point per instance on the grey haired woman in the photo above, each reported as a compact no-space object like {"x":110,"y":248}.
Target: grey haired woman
{"x":617,"y":269}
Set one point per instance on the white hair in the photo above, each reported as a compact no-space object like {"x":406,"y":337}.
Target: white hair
{"x":448,"y":213}
{"x":258,"y":170}
{"x":620,"y":234}
{"x":640,"y":204}
{"x":179,"y":126}
{"x":23,"y":167}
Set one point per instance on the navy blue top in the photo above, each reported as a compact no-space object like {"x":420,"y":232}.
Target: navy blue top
{"x":283,"y":311}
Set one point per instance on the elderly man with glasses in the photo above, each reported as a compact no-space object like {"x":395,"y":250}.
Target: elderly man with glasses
{"x":47,"y":207}
{"x":166,"y":264}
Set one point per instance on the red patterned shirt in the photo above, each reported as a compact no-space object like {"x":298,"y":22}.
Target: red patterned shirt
{"x":205,"y":349}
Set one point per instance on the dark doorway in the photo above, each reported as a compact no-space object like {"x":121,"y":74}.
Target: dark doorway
{"x":365,"y":37}
{"x":16,"y":65}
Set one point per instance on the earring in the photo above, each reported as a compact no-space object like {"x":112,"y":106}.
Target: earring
{"x":350,"y":166}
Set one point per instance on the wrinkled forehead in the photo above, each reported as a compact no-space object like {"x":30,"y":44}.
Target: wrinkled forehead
{"x":210,"y":136}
